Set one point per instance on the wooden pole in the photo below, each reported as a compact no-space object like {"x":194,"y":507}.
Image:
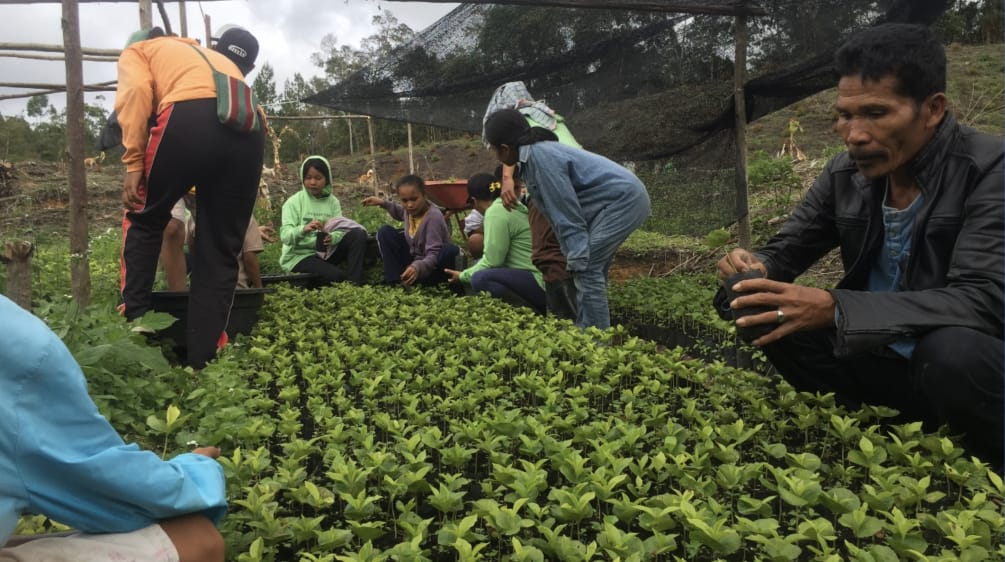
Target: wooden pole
{"x":312,"y":117}
{"x":17,"y":257}
{"x":146,"y":14}
{"x":56,"y":57}
{"x":59,"y":90}
{"x":411,"y":159}
{"x":39,"y":86}
{"x":80,"y":271}
{"x":739,"y":77}
{"x":58,"y":49}
{"x":349,"y":122}
{"x":373,"y":156}
{"x":209,"y":33}
{"x":183,"y":18}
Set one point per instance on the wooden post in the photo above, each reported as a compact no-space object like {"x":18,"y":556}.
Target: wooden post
{"x":209,"y":33}
{"x":80,"y":272}
{"x":739,"y":77}
{"x":373,"y":156}
{"x":17,"y":256}
{"x":183,"y":18}
{"x":411,"y":160}
{"x":349,"y":122}
{"x":146,"y":14}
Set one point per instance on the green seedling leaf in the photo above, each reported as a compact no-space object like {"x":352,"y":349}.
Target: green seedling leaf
{"x":152,"y":322}
{"x":861,"y":524}
{"x":840,"y":500}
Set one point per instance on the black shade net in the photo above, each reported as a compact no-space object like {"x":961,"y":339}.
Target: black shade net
{"x":650,"y":88}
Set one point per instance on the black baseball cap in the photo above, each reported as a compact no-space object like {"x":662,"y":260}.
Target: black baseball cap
{"x":238,"y":45}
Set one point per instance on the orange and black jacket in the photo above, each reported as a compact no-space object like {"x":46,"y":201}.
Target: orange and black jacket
{"x":154,"y":74}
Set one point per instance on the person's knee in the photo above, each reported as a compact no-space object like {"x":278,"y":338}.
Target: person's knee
{"x":386,"y":231}
{"x":174,"y":233}
{"x":479,"y":281}
{"x":476,"y":245}
{"x":355,"y":236}
{"x":954,"y":360}
{"x":195,"y":538}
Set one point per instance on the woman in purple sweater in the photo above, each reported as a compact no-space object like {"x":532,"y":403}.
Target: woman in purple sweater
{"x":420,"y":252}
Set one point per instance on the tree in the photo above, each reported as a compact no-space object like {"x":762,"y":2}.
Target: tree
{"x":265,"y":86}
{"x":38,"y":106}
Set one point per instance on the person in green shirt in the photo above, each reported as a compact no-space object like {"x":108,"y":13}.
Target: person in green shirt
{"x":304,"y":216}
{"x":505,"y":270}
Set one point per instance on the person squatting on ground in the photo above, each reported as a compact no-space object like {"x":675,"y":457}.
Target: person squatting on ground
{"x":592,"y":203}
{"x":546,"y":254}
{"x":422,"y":250}
{"x":474,"y":231}
{"x":915,"y":206}
{"x":304,"y":216}
{"x":505,"y":270}
{"x":59,"y":457}
{"x":249,"y":270}
{"x":172,"y":256}
{"x":187,"y":145}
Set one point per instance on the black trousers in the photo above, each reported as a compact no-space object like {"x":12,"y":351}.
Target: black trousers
{"x":189,"y":147}
{"x":954,"y":377}
{"x":560,"y":298}
{"x":396,"y":257}
{"x":345,"y":263}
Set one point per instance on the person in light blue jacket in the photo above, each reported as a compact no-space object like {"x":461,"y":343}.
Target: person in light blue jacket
{"x":59,"y":457}
{"x":593,"y":204}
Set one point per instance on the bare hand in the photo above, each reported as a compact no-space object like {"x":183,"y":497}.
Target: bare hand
{"x":211,"y":452}
{"x":313,"y":225}
{"x":803,"y":308}
{"x":133,"y":191}
{"x":737,"y":261}
{"x":453,"y":276}
{"x":509,"y":195}
{"x":409,"y":277}
{"x":328,"y":240}
{"x":267,"y":233}
{"x":373,"y":201}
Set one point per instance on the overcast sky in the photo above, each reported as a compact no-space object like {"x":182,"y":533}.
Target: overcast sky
{"x":288,"y":32}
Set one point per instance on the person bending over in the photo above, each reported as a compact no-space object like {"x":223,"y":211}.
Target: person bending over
{"x":592,"y":203}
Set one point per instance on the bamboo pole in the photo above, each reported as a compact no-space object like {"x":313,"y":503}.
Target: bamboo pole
{"x":349,"y":122}
{"x":80,"y":271}
{"x":59,"y":49}
{"x":59,"y":90}
{"x":183,"y":18}
{"x":411,"y":159}
{"x":739,"y":77}
{"x":56,"y":57}
{"x":313,"y":117}
{"x":373,"y":157}
{"x":40,"y":86}
{"x":146,"y":14}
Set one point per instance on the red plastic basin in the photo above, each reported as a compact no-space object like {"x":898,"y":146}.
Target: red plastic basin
{"x":452,"y":195}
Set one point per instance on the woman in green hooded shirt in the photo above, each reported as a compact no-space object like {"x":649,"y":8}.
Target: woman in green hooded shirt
{"x":304,"y":216}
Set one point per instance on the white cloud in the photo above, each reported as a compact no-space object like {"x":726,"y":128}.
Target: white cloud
{"x":288,"y":32}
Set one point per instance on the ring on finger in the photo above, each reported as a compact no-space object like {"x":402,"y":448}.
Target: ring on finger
{"x":781,"y":316}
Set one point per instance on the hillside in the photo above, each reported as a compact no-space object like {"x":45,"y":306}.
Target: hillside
{"x":36,"y":198}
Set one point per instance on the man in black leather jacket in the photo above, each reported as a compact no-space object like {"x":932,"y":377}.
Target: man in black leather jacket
{"x":916,"y":207}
